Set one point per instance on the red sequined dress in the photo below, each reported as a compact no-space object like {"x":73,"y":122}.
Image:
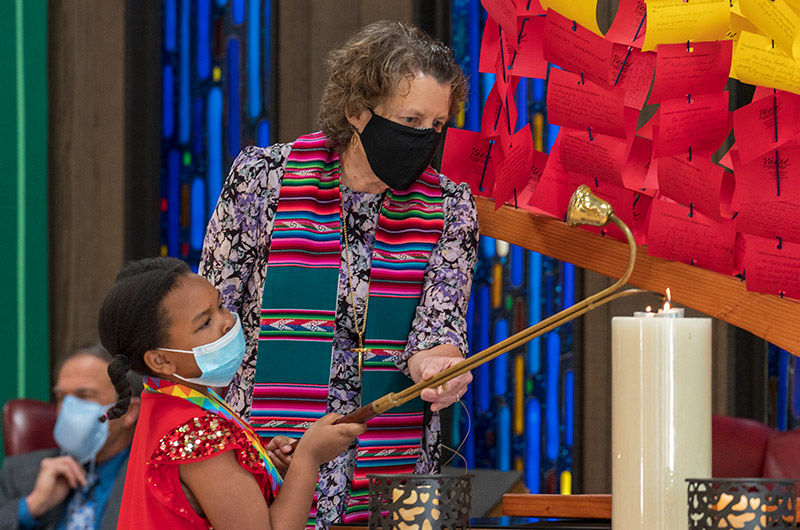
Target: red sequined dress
{"x":178,"y":425}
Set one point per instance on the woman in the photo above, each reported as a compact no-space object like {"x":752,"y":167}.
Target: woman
{"x":350,"y":260}
{"x":193,"y":462}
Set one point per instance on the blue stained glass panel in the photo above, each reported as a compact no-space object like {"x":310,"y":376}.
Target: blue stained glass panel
{"x":203,"y":38}
{"x":215,"y":69}
{"x":238,"y":9}
{"x":170,"y":22}
{"x":215,"y":170}
{"x":198,"y":205}
{"x":234,"y":143}
{"x":167,"y":102}
{"x":254,"y":59}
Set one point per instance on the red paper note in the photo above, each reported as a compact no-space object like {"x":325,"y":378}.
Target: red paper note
{"x":772,"y":270}
{"x":553,"y":191}
{"x":739,"y":248}
{"x":513,"y":171}
{"x":701,"y":124}
{"x":490,"y":47}
{"x":467,"y":157}
{"x":635,"y":77}
{"x":579,"y":106}
{"x":577,"y":50}
{"x":528,"y":59}
{"x":703,"y":70}
{"x":504,"y":12}
{"x":538,"y":163}
{"x":697,"y":240}
{"x":698,"y":182}
{"x":499,"y":115}
{"x":756,"y":125}
{"x":762,"y":180}
{"x":529,"y":7}
{"x":596,"y":155}
{"x":629,"y":24}
{"x":637,"y":165}
{"x":770,"y":220}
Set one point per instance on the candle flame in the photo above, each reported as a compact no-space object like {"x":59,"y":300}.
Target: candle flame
{"x":648,"y":309}
{"x":668,"y":300}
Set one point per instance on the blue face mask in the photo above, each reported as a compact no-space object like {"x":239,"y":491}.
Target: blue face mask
{"x":78,"y":432}
{"x":219,"y":360}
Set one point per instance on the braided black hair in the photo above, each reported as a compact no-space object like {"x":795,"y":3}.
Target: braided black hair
{"x":132,"y":320}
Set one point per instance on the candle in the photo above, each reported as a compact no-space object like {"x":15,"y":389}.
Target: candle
{"x":661,"y":416}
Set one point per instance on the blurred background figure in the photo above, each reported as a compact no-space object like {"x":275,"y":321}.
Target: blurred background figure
{"x":79,"y":484}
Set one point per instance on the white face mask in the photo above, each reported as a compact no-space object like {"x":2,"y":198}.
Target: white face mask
{"x":219,"y":360}
{"x":78,"y":431}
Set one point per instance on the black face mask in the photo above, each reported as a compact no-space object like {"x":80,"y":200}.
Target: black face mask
{"x":397,"y":154}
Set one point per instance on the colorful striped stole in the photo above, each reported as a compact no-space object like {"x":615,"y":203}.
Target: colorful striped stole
{"x":293,"y":368}
{"x":216,"y":405}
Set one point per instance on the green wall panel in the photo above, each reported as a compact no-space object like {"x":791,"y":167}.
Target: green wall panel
{"x":24,"y":354}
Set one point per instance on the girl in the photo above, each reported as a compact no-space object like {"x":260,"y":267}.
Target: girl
{"x":194,"y":463}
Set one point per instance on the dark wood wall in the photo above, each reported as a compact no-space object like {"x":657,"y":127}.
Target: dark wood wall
{"x":87,"y":163}
{"x":307,"y":30}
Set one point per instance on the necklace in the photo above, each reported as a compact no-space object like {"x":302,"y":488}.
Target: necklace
{"x":362,"y":329}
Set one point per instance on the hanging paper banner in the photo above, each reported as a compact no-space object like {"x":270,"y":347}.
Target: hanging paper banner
{"x":583,"y":12}
{"x":674,"y":21}
{"x":772,"y":176}
{"x":698,"y":182}
{"x":766,"y":123}
{"x":579,"y":105}
{"x":772,"y":266}
{"x":574,"y":48}
{"x":701,"y":124}
{"x":513,"y":171}
{"x":554,"y":190}
{"x":529,"y":7}
{"x":504,"y":12}
{"x":702,"y":69}
{"x":467,"y":157}
{"x":528,"y":59}
{"x":776,"y":20}
{"x":592,"y":154}
{"x":678,"y":234}
{"x":770,"y":220}
{"x":629,"y":26}
{"x":757,"y":62}
{"x":632,"y":71}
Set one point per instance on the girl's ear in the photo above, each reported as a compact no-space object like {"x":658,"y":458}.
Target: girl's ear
{"x":159,"y":362}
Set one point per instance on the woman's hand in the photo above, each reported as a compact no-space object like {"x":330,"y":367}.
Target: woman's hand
{"x":325,"y":441}
{"x":280,"y":450}
{"x":426,"y":363}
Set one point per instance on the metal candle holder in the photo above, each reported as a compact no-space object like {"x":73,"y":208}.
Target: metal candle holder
{"x":584,"y":209}
{"x":419,"y":502}
{"x":741,"y":503}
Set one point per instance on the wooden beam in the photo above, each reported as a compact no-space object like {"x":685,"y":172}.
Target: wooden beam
{"x":770,"y":317}
{"x":558,"y":506}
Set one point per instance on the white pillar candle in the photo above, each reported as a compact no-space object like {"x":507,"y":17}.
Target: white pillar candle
{"x":660,"y":415}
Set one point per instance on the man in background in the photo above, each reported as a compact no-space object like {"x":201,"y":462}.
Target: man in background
{"x":79,"y":485}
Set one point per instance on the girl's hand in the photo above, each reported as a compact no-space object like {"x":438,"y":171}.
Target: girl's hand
{"x":325,"y":441}
{"x":280,"y":450}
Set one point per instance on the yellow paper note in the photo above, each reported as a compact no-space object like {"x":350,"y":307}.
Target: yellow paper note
{"x":795,"y":5}
{"x":674,"y":21}
{"x":758,"y":63}
{"x":584,"y":12}
{"x":738,"y":25}
{"x":776,"y":20}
